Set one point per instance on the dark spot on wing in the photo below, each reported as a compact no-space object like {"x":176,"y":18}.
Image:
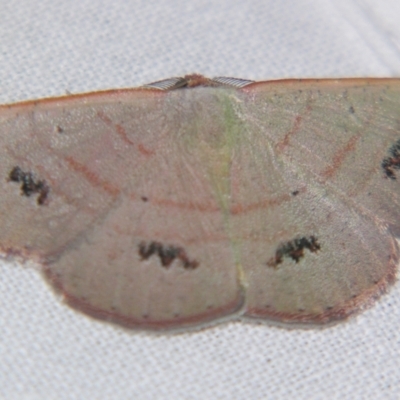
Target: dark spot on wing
{"x":351,"y":110}
{"x":294,"y":249}
{"x":392,"y":163}
{"x":29,"y":184}
{"x":295,"y":193}
{"x":59,"y":129}
{"x":144,"y":198}
{"x":167,"y":254}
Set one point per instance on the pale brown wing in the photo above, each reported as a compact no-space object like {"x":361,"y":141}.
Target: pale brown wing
{"x":156,"y":209}
{"x":317,"y":196}
{"x":110,"y":192}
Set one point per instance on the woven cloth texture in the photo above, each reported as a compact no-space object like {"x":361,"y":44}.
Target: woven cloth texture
{"x":48,"y":48}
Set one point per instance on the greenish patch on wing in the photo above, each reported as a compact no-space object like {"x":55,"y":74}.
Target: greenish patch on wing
{"x":218,"y":152}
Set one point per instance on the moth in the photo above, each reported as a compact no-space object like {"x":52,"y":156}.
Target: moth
{"x":193,"y":200}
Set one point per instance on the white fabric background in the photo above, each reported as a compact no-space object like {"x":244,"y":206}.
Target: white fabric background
{"x":48,"y":351}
